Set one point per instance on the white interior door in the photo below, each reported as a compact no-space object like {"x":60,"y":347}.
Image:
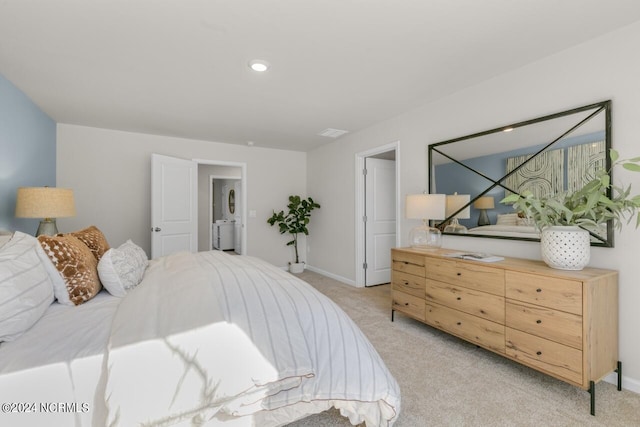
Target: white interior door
{"x":174,"y":205}
{"x":380,"y":225}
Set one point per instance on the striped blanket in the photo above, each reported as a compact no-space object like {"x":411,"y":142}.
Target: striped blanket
{"x":214,"y":339}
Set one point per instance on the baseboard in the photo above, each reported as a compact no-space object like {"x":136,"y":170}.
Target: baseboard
{"x":630,"y":384}
{"x":331,"y":275}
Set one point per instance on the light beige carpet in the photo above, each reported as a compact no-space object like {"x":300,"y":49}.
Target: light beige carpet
{"x":445,"y":381}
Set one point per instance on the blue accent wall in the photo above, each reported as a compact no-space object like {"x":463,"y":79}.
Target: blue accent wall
{"x":451,"y":177}
{"x":27,"y":153}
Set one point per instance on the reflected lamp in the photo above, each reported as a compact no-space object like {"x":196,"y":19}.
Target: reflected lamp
{"x":455,"y":203}
{"x":425,"y":207}
{"x":483,"y":203}
{"x":47,"y":203}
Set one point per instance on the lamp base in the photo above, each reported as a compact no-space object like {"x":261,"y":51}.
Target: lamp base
{"x":455,"y":227}
{"x":47,"y":227}
{"x":425,"y":237}
{"x":483,"y":219}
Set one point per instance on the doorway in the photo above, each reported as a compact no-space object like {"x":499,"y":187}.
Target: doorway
{"x":222,"y":198}
{"x":225,"y":213}
{"x":181,"y":207}
{"x":377,"y":213}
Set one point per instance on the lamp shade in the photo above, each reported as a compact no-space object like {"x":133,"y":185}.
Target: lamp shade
{"x":485,"y":202}
{"x":425,"y":206}
{"x":456,"y":202}
{"x":44,"y":202}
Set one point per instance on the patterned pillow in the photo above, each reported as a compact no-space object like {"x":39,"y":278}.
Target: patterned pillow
{"x":94,"y":239}
{"x":77,"y":265}
{"x":122,"y":268}
{"x":26,"y":290}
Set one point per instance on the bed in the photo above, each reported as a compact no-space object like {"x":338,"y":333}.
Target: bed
{"x":202,"y":339}
{"x":523,"y":231}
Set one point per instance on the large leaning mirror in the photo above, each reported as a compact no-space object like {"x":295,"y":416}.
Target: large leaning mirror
{"x":547,"y":155}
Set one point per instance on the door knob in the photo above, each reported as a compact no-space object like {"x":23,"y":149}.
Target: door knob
{"x":157,"y":229}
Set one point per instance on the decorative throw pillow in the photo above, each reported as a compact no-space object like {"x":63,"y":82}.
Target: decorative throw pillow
{"x":122,"y":268}
{"x":94,"y":239}
{"x":26,"y":290}
{"x":77,"y":265}
{"x":507,"y":219}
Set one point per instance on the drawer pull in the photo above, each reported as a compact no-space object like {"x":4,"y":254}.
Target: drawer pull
{"x":406,"y":303}
{"x":459,"y":274}
{"x":538,"y":321}
{"x":539,"y":353}
{"x":405,"y":282}
{"x":459,"y":298}
{"x":458,"y":323}
{"x":538,"y":290}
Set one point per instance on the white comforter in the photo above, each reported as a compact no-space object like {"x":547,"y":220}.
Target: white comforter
{"x":211,"y":338}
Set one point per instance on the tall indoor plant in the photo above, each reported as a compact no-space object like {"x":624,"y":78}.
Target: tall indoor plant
{"x":294,"y":222}
{"x":578,"y":213}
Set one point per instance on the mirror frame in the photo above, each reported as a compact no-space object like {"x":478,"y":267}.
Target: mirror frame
{"x":499,"y":182}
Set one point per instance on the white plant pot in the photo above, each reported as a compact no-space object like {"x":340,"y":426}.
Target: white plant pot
{"x":296,"y":267}
{"x":565,"y":247}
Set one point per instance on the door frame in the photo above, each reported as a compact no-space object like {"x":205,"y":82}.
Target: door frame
{"x":360,"y":204}
{"x":243,"y":196}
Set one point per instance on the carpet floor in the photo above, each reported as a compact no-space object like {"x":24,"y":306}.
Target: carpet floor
{"x":445,"y":381}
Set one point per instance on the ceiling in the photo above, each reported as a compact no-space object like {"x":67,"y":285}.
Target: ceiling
{"x":179,"y":68}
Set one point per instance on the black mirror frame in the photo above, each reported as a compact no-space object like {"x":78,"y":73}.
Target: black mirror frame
{"x":597,"y":107}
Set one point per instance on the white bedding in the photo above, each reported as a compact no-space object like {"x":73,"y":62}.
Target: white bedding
{"x":58,"y":360}
{"x":224,"y":340}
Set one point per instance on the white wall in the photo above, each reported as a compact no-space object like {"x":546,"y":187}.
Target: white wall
{"x":110,"y":173}
{"x":604,"y":68}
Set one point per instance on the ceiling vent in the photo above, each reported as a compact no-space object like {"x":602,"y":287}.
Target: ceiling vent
{"x":333,"y":133}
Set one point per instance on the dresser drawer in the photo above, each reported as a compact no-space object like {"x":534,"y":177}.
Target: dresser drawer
{"x":468,"y":274}
{"x":471,"y":328}
{"x":554,"y":358}
{"x":481,"y":304}
{"x":554,"y":325}
{"x":552,"y":292}
{"x":408,"y":263}
{"x":408,"y":283}
{"x":408,"y":304}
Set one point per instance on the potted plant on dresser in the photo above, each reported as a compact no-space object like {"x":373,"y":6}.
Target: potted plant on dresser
{"x":567,"y":220}
{"x":294,"y":222}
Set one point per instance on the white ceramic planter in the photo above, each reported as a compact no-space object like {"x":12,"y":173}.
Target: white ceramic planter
{"x":565,"y":247}
{"x":296,"y":267}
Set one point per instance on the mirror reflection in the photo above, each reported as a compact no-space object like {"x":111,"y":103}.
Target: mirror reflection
{"x":547,"y":155}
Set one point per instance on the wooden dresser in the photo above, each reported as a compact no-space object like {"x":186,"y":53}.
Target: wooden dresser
{"x":562,"y":323}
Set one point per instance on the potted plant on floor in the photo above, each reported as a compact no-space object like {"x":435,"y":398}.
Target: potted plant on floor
{"x":567,"y":220}
{"x":294,"y":222}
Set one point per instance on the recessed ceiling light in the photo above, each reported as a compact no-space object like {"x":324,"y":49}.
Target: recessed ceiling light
{"x":259,"y":65}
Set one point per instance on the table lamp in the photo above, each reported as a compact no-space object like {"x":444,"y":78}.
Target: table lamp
{"x":48,"y":203}
{"x":425,"y":207}
{"x":455,"y":202}
{"x":483,"y":203}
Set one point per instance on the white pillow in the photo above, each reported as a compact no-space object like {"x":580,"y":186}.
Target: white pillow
{"x":121,"y":269}
{"x":26,"y":290}
{"x":507,"y":219}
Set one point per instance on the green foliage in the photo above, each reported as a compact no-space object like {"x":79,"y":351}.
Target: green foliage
{"x":296,"y":220}
{"x":588,"y":207}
